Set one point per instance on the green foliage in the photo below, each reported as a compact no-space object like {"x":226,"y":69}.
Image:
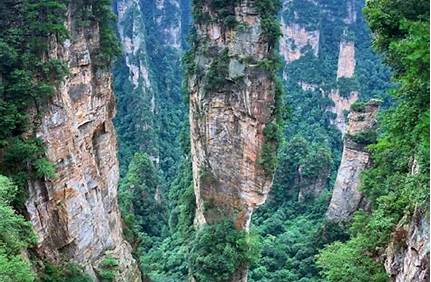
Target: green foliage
{"x":167,"y":260}
{"x":347,"y":85}
{"x":29,"y":78}
{"x":364,"y":138}
{"x":291,"y":235}
{"x":69,"y":272}
{"x":15,"y":235}
{"x":217,"y":72}
{"x":358,"y":106}
{"x":304,"y":12}
{"x":402,"y":34}
{"x":108,"y":269}
{"x":92,"y":12}
{"x":24,"y":160}
{"x":343,"y":263}
{"x":268,"y":10}
{"x":219,"y":249}
{"x":221,"y":11}
{"x":150,"y":121}
{"x":141,"y":210}
{"x":268,"y":156}
{"x":292,"y":231}
{"x":15,"y":268}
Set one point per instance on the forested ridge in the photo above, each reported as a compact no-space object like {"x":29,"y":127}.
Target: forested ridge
{"x":398,"y":182}
{"x":155,"y":49}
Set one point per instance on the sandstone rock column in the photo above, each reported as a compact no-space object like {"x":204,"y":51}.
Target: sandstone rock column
{"x":76,"y":215}
{"x":232,"y":100}
{"x":346,"y":197}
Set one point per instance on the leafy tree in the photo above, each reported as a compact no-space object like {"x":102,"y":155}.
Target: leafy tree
{"x":15,"y":235}
{"x":219,"y":249}
{"x":139,"y":202}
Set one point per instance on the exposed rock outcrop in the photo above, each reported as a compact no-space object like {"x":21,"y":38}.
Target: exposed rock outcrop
{"x":351,"y":12}
{"x":346,"y":197}
{"x":346,"y":59}
{"x":232,"y":100}
{"x":341,"y":105}
{"x":408,"y":254}
{"x":295,"y":38}
{"x":76,"y":215}
{"x":130,"y":29}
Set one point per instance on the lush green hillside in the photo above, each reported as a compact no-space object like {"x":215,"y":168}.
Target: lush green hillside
{"x":292,"y":229}
{"x":398,"y":182}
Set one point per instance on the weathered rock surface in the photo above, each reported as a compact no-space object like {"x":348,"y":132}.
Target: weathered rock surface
{"x":351,"y":12}
{"x":227,"y":120}
{"x":341,"y":105}
{"x":346,"y":59}
{"x":295,"y":38}
{"x":346,"y":197}
{"x":76,"y":215}
{"x":408,"y":254}
{"x":311,"y":186}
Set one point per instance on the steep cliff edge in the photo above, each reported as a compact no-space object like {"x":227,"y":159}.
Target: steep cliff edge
{"x":407,"y":257}
{"x":346,"y":197}
{"x":76,"y":215}
{"x":232,"y":112}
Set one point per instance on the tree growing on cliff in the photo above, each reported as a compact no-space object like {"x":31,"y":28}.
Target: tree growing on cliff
{"x":219,"y":249}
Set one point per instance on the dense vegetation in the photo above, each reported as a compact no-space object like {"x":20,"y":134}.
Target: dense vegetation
{"x":291,"y":223}
{"x":16,"y":234}
{"x":401,"y":31}
{"x":156,"y":193}
{"x":28,"y":79}
{"x":292,"y":227}
{"x":218,"y":250}
{"x":156,"y":196}
{"x":151,"y":114}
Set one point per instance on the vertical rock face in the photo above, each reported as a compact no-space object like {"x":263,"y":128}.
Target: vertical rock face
{"x":232,"y":100}
{"x":346,"y":59}
{"x":148,"y":79}
{"x":76,"y":216}
{"x":140,"y":102}
{"x":295,"y":38}
{"x":341,"y":105}
{"x":408,"y":254}
{"x":346,"y":197}
{"x":329,"y":66}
